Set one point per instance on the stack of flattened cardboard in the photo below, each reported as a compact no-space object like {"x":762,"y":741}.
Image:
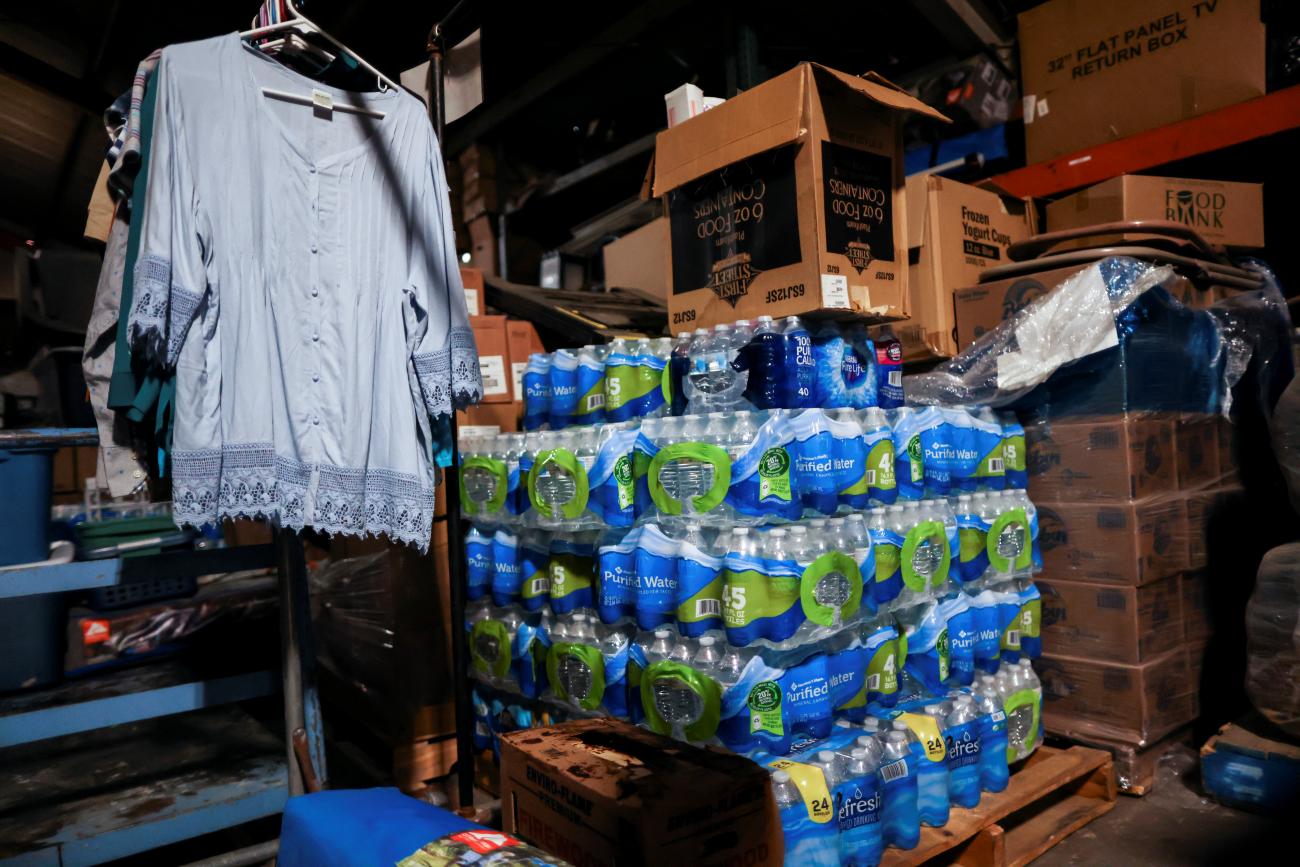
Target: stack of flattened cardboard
{"x":1124,"y":503}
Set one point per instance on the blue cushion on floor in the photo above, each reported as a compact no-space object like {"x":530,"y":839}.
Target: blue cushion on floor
{"x":360,"y":828}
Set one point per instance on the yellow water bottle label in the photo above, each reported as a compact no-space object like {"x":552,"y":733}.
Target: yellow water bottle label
{"x":926,"y":728}
{"x":812,"y":786}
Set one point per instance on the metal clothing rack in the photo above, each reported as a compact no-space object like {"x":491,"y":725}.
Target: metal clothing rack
{"x":436,"y":47}
{"x":198,"y":791}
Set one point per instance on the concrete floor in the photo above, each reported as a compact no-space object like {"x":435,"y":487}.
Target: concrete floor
{"x":1173,"y":825}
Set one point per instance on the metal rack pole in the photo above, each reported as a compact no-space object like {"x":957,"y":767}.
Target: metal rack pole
{"x":455,"y":560}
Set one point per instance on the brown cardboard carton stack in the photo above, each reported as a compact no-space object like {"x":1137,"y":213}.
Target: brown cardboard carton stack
{"x":503,"y":347}
{"x":788,"y":199}
{"x":1123,"y":505}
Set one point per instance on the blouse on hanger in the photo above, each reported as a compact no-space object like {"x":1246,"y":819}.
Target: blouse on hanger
{"x":298,"y":271}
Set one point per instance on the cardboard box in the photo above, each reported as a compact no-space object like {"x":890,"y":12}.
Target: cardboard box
{"x":1101,"y":459}
{"x":603,"y":791}
{"x":1196,"y":443}
{"x":1222,"y":212}
{"x":500,"y":415}
{"x":1135,"y":704}
{"x":479,"y":197}
{"x":1195,"y":651}
{"x":1198,"y":625}
{"x":1094,"y":71}
{"x":639,"y":260}
{"x":521,"y":342}
{"x":980,"y":309}
{"x":1123,"y":543}
{"x":475,"y":300}
{"x":493,"y":358}
{"x":788,"y":199}
{"x":1112,"y":624}
{"x":1205,"y":509}
{"x":958,"y":231}
{"x":683,"y":103}
{"x":476,"y":161}
{"x":483,"y":244}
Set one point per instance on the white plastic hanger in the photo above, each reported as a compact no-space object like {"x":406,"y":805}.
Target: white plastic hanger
{"x":319,"y":99}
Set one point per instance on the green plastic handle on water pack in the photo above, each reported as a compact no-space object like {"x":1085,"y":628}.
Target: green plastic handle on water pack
{"x":1017,"y":704}
{"x":497,"y":469}
{"x":827,"y":564}
{"x":996,"y":560}
{"x":705,"y":453}
{"x":567,"y":461}
{"x":590,"y":657}
{"x":935,"y":532}
{"x":706,"y":688}
{"x":485,"y":631}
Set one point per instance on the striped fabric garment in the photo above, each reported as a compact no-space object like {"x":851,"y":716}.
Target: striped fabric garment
{"x":124,"y":154}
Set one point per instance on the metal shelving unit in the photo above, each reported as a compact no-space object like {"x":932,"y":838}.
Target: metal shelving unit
{"x":1233,"y":125}
{"x":146,"y":785}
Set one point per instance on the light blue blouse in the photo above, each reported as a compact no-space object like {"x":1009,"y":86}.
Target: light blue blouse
{"x":299,"y":272}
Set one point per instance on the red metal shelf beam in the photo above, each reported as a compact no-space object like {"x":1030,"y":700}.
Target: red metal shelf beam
{"x":1235,"y":124}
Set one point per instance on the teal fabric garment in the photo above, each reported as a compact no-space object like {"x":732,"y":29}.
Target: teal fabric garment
{"x":144,"y":394}
{"x":125,"y":385}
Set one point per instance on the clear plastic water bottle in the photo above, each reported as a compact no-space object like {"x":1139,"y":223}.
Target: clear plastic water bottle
{"x":889,"y":369}
{"x":707,"y":656}
{"x":800,"y":367}
{"x":962,"y":725}
{"x":656,"y":402}
{"x":679,"y":364}
{"x":537,"y":391}
{"x":994,"y":773}
{"x":765,"y":361}
{"x":713,"y":383}
{"x":1032,"y":681}
{"x":661,"y":647}
{"x":898,"y":776}
{"x":591,"y":385}
{"x":858,"y":801}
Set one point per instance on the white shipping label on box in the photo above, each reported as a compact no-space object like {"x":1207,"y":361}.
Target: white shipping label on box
{"x":493,"y":370}
{"x":835,"y":291}
{"x":471,"y":303}
{"x":517,"y":369}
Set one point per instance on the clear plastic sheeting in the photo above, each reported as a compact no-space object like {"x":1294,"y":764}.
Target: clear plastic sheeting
{"x":352,"y":612}
{"x":1114,"y":338}
{"x":1273,"y":639}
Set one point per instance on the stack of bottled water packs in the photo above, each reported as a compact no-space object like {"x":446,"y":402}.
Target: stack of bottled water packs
{"x":763,"y":364}
{"x":749,"y":467}
{"x":761,"y":579}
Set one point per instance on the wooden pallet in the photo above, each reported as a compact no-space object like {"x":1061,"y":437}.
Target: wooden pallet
{"x":1054,"y":793}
